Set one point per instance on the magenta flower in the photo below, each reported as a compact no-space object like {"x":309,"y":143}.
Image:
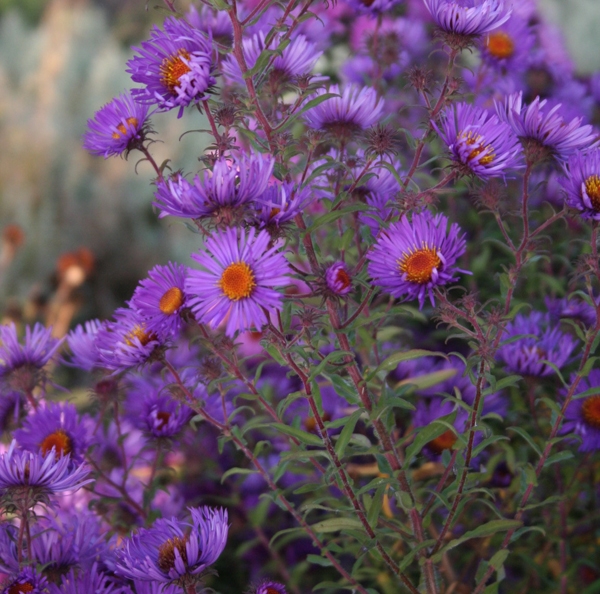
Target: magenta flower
{"x":175,"y":65}
{"x":411,"y":258}
{"x":239,"y":280}
{"x":117,"y":128}
{"x":479,"y":143}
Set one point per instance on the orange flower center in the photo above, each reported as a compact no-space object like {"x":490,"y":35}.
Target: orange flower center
{"x":591,"y":411}
{"x":122,"y":130}
{"x":500,"y":45}
{"x":237,"y":281}
{"x":171,"y":301}
{"x":272,"y":590}
{"x":592,"y":188}
{"x":444,"y":442}
{"x":140,"y":333}
{"x":343,"y":278}
{"x":173,"y":68}
{"x":58,"y":440}
{"x":419,"y":265}
{"x":476,"y":141}
{"x":163,"y":417}
{"x":20,"y":588}
{"x":274,"y":212}
{"x":166,"y":552}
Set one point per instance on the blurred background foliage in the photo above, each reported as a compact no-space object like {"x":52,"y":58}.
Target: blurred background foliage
{"x":60,"y":61}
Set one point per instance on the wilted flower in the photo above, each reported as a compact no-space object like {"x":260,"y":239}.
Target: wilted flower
{"x":238,"y":281}
{"x":411,"y":258}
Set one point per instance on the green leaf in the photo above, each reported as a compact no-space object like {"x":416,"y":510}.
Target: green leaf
{"x":346,"y":434}
{"x":335,"y":524}
{"x":233,"y":471}
{"x":497,"y":561}
{"x":558,"y":457}
{"x":376,"y":504}
{"x":322,"y":561}
{"x":312,"y":103}
{"x":520,"y":431}
{"x":427,"y":434}
{"x":302,"y":436}
{"x":482,"y":531}
{"x":330,"y":217}
{"x":392,"y":361}
{"x":427,"y":380}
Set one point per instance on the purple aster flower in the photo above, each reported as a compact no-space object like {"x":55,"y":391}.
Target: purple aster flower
{"x":12,"y":407}
{"x":28,"y":580}
{"x":82,"y":343}
{"x":509,"y":47}
{"x":582,"y":183}
{"x":117,"y":128}
{"x":337,"y":279}
{"x":543,"y":131}
{"x":126,"y":342}
{"x":155,"y":413}
{"x":372,"y":7}
{"x":44,"y":475}
{"x":468,"y":17}
{"x":175,"y":65}
{"x":176,"y":197}
{"x":430,"y":409}
{"x":239,"y":279}
{"x":573,"y":309}
{"x":540,"y":341}
{"x":582,"y":416}
{"x":215,"y":23}
{"x":280,"y":203}
{"x":142,"y":587}
{"x":411,"y":258}
{"x":91,"y":581}
{"x":24,"y":362}
{"x":356,"y":109}
{"x":297,"y":58}
{"x":269,"y":587}
{"x":173,"y":551}
{"x":58,"y":427}
{"x":479,"y":143}
{"x":160,"y":299}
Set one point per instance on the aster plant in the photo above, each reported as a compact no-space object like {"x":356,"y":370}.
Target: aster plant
{"x":378,"y":370}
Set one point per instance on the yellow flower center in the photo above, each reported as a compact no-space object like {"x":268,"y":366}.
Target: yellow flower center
{"x":591,"y":411}
{"x":476,"y":141}
{"x":237,"y":281}
{"x":122,"y":130}
{"x":171,"y":301}
{"x":17,"y":588}
{"x":166,"y":552}
{"x":500,"y":45}
{"x":444,"y":442}
{"x":592,"y":188}
{"x":173,"y":68}
{"x":419,"y":265}
{"x":58,"y":440}
{"x":140,"y":333}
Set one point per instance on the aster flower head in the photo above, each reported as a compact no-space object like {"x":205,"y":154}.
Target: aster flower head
{"x":173,"y":551}
{"x":215,"y":23}
{"x":89,"y":581}
{"x":176,"y":197}
{"x":41,"y":475}
{"x":21,"y":363}
{"x":297,"y":58}
{"x":480,"y":143}
{"x":573,"y":309}
{"x":56,"y":426}
{"x":126,"y":342}
{"x":337,"y":279}
{"x":543,"y":131}
{"x":411,"y":258}
{"x":582,"y":416}
{"x":372,"y":7}
{"x":82,"y":344}
{"x":581,"y":183}
{"x":175,"y":65}
{"x":160,"y":299}
{"x":233,"y":181}
{"x":508,"y":47}
{"x":117,"y":128}
{"x":28,"y":580}
{"x":269,"y":587}
{"x":460,"y":21}
{"x":540,"y":341}
{"x":238,"y":281}
{"x":430,"y":409}
{"x":280,"y":203}
{"x":357,"y":108}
